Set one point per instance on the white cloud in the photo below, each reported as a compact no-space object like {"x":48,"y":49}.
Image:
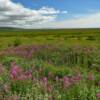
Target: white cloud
{"x":15,"y":14}
{"x":46,"y":10}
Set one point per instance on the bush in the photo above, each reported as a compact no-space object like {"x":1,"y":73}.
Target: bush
{"x":17,"y":42}
{"x":91,"y":38}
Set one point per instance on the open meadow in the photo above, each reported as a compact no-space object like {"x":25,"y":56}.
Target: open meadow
{"x":57,"y":64}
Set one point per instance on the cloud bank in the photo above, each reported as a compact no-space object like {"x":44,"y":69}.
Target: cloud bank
{"x":16,"y":15}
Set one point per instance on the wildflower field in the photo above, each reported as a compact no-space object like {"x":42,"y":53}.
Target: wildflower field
{"x":54,"y":64}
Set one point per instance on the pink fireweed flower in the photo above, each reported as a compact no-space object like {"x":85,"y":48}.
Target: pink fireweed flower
{"x":22,"y":77}
{"x":28,"y":74}
{"x":16,"y":71}
{"x":77,"y":77}
{"x":13,"y":74}
{"x":45,"y":81}
{"x":98,"y":95}
{"x":66,"y":82}
{"x":66,"y":78}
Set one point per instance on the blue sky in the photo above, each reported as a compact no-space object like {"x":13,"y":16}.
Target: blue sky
{"x":74,"y":6}
{"x":53,"y":13}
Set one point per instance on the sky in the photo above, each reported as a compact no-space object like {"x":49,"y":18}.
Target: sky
{"x":50,"y":13}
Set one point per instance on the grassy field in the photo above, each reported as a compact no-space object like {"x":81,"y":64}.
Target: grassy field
{"x":58,"y":64}
{"x":63,"y":37}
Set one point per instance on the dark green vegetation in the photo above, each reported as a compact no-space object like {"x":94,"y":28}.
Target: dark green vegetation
{"x":59,"y":64}
{"x":9,"y":37}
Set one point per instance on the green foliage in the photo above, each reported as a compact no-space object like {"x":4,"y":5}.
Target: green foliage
{"x":71,"y":55}
{"x":17,"y":42}
{"x":91,"y":38}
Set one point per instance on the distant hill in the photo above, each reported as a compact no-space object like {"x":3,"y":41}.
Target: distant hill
{"x":10,"y":28}
{"x":65,"y":30}
{"x":14,"y":28}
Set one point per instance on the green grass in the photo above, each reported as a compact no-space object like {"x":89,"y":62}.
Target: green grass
{"x":55,"y":37}
{"x":71,"y":53}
